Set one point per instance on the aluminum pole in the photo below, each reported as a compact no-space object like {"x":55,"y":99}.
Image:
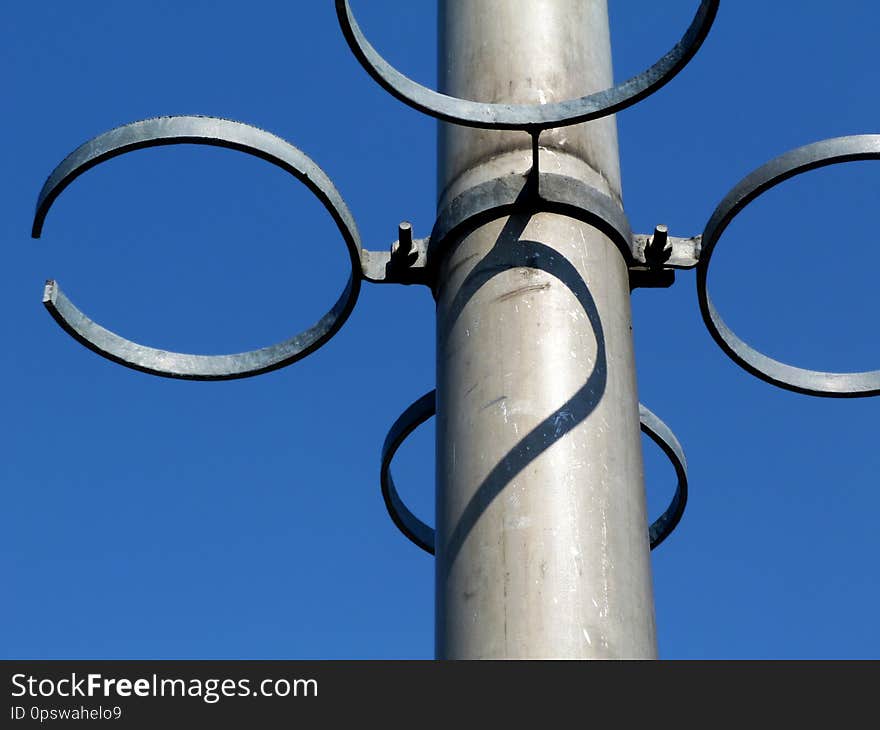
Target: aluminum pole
{"x":542,"y":533}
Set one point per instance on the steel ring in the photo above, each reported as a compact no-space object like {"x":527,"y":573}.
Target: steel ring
{"x":218,"y":133}
{"x":422,"y":534}
{"x":788,"y":165}
{"x":531,"y":117}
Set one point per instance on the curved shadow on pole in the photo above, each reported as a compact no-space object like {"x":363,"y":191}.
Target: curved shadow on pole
{"x":510,"y":251}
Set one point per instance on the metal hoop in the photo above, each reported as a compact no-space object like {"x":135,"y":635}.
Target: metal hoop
{"x":788,"y":165}
{"x":531,"y":117}
{"x":218,"y":133}
{"x":423,"y":534}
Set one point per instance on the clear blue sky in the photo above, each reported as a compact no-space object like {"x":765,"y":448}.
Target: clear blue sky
{"x":150,"y":518}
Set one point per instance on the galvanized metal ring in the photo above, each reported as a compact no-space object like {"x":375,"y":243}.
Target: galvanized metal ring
{"x":788,"y":165}
{"x":532,"y":117}
{"x":410,"y":525}
{"x":423,"y":535}
{"x":662,"y":435}
{"x":218,"y":133}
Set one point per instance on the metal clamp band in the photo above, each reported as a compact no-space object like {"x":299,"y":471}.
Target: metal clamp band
{"x":423,"y":535}
{"x":788,"y":165}
{"x":530,"y":117}
{"x":218,"y":133}
{"x":517,"y":193}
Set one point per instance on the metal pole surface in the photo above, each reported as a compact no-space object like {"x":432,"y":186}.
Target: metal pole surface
{"x":542,"y":534}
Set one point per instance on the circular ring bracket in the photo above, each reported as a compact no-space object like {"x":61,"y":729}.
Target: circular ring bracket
{"x":530,"y":117}
{"x":423,"y":534}
{"x":219,"y":133}
{"x":784,"y":167}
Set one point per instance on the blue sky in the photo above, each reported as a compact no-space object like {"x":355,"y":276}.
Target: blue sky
{"x":150,"y":518}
